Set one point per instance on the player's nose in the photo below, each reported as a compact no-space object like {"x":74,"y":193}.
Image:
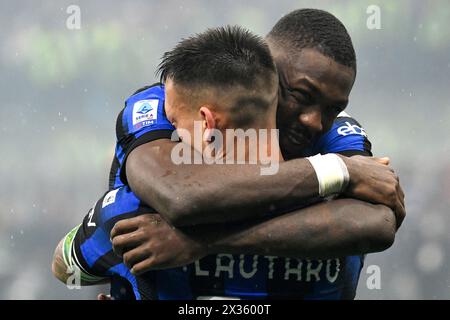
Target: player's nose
{"x":312,"y":119}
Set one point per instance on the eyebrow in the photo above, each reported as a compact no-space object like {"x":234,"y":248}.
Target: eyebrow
{"x":315,"y":89}
{"x":309,"y":83}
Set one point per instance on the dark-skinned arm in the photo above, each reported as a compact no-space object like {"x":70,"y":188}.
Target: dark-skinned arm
{"x":331,"y":229}
{"x":190,"y":194}
{"x":327,"y":230}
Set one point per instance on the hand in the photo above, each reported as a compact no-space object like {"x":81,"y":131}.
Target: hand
{"x":148,"y":242}
{"x":372,"y":180}
{"x":103,"y":296}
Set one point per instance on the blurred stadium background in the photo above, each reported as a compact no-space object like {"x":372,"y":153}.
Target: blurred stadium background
{"x":62,"y":89}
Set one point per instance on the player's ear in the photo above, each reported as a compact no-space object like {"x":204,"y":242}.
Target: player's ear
{"x":208,"y":122}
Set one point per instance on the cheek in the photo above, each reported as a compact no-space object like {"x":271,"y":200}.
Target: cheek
{"x":327,"y":121}
{"x":286,"y":114}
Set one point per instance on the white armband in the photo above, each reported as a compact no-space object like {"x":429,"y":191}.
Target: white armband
{"x":331,"y":172}
{"x":71,"y":260}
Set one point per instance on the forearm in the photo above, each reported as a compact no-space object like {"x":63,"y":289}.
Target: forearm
{"x":327,"y":230}
{"x":64,"y":266}
{"x":59,"y":268}
{"x":204,"y":194}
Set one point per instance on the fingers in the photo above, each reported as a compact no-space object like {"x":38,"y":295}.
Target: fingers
{"x":382,"y":160}
{"x":137,"y":255}
{"x":124,"y":242}
{"x":103,"y":296}
{"x":400,"y":191}
{"x":142,"y":267}
{"x":400,"y":213}
{"x":125,"y":226}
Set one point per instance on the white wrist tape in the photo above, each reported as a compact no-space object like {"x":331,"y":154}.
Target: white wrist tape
{"x":331,"y":172}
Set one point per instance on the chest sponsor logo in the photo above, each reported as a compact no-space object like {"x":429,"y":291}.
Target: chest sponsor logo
{"x":145,"y":113}
{"x":349,"y":128}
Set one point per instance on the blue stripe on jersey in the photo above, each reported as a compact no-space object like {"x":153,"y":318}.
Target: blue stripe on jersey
{"x":120,"y":155}
{"x":123,"y":271}
{"x":353,"y":143}
{"x":345,"y":135}
{"x":354,"y":267}
{"x":239,"y":286}
{"x":239,"y":293}
{"x":135,"y":123}
{"x":125,"y":202}
{"x":96,"y":246}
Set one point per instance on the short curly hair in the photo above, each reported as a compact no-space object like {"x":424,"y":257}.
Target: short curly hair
{"x":318,"y":29}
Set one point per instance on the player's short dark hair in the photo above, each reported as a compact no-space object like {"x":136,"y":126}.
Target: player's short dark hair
{"x":223,"y":56}
{"x":318,"y":29}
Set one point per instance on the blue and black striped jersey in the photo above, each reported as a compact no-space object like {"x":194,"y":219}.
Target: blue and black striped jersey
{"x":243,"y":276}
{"x":141,"y":120}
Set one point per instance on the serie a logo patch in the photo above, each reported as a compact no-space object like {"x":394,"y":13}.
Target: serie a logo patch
{"x":145,"y":113}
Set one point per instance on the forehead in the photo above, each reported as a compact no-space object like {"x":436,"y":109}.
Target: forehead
{"x":320,"y":70}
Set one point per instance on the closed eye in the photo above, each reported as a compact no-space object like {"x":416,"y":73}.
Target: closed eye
{"x":302,"y":96}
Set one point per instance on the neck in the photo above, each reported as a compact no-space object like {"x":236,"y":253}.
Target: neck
{"x":257,"y":145}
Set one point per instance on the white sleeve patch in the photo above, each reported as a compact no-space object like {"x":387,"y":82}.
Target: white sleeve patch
{"x":343,"y":114}
{"x":110,"y":198}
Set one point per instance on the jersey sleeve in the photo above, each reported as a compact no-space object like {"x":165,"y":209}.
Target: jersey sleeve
{"x":142,"y":120}
{"x":346,"y":137}
{"x":90,"y":248}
